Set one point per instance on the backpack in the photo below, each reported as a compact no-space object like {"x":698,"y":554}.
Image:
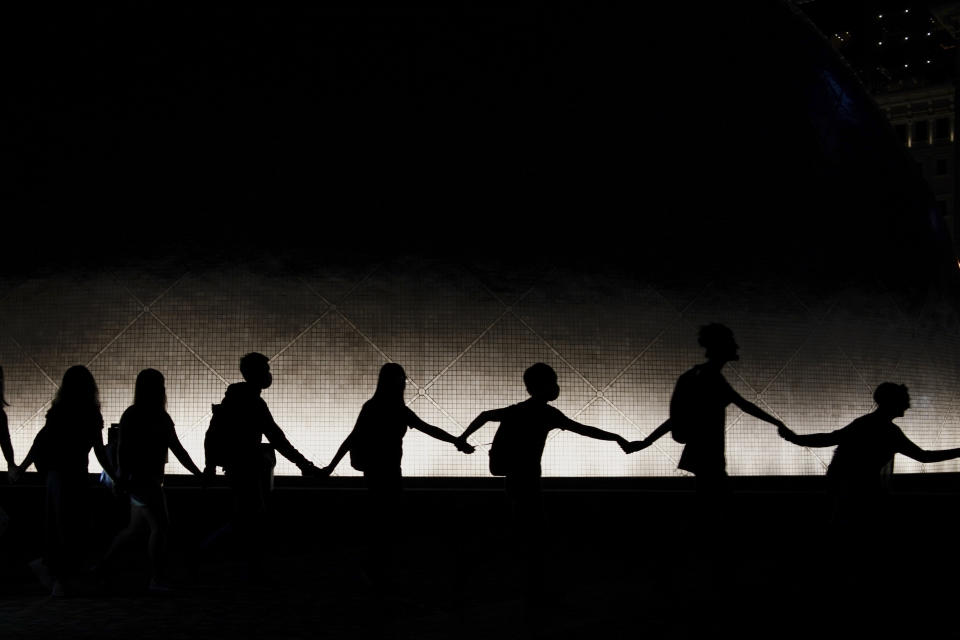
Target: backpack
{"x":217,"y":443}
{"x":360,"y":445}
{"x":505,"y":447}
{"x":684,"y":403}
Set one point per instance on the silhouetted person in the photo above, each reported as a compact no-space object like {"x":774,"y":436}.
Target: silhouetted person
{"x":861,"y":464}
{"x":698,"y":409}
{"x":60,"y":450}
{"x":146,"y":433}
{"x":376,"y":448}
{"x":516,"y":453}
{"x":244,"y":419}
{"x":6,"y":446}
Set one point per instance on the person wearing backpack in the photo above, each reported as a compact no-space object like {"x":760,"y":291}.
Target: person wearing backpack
{"x":698,"y":412}
{"x":376,"y":448}
{"x":516,"y":454}
{"x":233,"y":442}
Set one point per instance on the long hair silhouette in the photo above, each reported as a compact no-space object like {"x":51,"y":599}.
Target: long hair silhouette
{"x":150,"y":392}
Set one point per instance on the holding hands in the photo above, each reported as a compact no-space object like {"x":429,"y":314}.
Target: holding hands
{"x":785,"y":433}
{"x":463,"y":446}
{"x":637,"y":445}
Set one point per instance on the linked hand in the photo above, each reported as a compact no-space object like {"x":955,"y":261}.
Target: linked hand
{"x":209,"y":473}
{"x":786,"y":433}
{"x":14,"y":474}
{"x":310,"y":469}
{"x":323,"y":472}
{"x":636,"y":445}
{"x":463,"y":446}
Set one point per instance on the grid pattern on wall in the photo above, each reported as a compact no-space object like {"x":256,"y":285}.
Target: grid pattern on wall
{"x":465,"y":333}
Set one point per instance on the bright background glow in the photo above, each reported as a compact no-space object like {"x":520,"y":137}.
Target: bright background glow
{"x":465,"y":333}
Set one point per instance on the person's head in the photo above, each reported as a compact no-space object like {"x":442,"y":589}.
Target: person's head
{"x":78,"y":388}
{"x":3,"y":397}
{"x":391,"y":382}
{"x":255,"y":369}
{"x":150,"y":392}
{"x":718,"y":341}
{"x":892,"y":399}
{"x":541,"y":382}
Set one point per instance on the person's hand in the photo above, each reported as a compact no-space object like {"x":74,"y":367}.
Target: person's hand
{"x":310,"y":469}
{"x":323,"y":472}
{"x":463,"y":446}
{"x":786,"y":433}
{"x":14,"y":473}
{"x":209,"y":473}
{"x":637,"y":445}
{"x":624,"y":444}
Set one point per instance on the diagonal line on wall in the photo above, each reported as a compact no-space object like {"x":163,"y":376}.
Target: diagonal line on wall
{"x":116,"y":337}
{"x":186,"y":346}
{"x":634,"y":361}
{"x":466,"y":349}
{"x":786,"y":364}
{"x":689,"y":304}
{"x":26,"y":355}
{"x":593,"y":401}
{"x":553,"y":350}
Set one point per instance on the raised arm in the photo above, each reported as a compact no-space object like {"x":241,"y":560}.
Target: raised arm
{"x":414,"y":422}
{"x":493,"y":415}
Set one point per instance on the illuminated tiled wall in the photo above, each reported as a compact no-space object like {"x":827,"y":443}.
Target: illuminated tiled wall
{"x":465,"y":333}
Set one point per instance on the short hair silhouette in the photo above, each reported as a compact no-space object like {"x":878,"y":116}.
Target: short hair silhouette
{"x":253,"y":363}
{"x":890,"y":393}
{"x":150,"y":390}
{"x":541,"y":381}
{"x":714,"y":334}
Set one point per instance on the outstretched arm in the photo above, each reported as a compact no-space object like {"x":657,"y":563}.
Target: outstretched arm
{"x":279,"y":441}
{"x":659,"y":432}
{"x":415,"y":422}
{"x":6,"y":446}
{"x":592,"y":432}
{"x":911,"y":450}
{"x":338,"y":456}
{"x":748,"y":407}
{"x":177,"y":448}
{"x":493,"y":415}
{"x":810,"y":439}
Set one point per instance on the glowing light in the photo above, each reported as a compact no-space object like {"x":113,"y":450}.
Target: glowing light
{"x":906,"y":38}
{"x":880,"y":43}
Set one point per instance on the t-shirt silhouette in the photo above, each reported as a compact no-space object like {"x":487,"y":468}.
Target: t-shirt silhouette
{"x":66,"y":439}
{"x":378,"y":436}
{"x":145,"y":435}
{"x":704,"y":450}
{"x":865,"y":447}
{"x":522,"y":435}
